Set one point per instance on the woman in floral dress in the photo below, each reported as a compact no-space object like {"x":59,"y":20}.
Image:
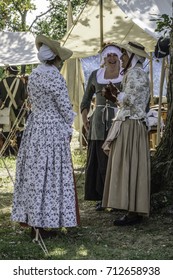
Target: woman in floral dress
{"x":127,"y":183}
{"x":44,"y":193}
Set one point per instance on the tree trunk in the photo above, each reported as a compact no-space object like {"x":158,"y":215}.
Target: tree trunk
{"x":162,"y":161}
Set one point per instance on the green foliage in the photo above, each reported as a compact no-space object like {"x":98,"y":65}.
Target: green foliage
{"x":1,"y":73}
{"x":13,"y":14}
{"x":5,"y":14}
{"x":164,"y":23}
{"x":54,"y":24}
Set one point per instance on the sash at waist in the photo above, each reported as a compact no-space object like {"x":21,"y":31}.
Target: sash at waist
{"x":105,"y":112}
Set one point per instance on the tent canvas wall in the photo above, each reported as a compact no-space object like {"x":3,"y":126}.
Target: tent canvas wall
{"x":144,"y":12}
{"x":17,"y":48}
{"x":106,"y":17}
{"x":99,"y":20}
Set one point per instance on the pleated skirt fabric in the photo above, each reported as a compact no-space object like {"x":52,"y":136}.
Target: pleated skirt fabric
{"x":127,"y":183}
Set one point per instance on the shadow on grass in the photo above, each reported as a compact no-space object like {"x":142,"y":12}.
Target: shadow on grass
{"x":5,"y":200}
{"x":95,"y":239}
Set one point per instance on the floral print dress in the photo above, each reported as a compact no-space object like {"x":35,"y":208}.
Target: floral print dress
{"x":44,"y":193}
{"x":135,"y":95}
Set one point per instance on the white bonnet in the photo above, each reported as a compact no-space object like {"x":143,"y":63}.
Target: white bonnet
{"x":45,"y":53}
{"x":110,"y":49}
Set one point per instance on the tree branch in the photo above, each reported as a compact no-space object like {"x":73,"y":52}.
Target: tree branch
{"x":37,"y":17}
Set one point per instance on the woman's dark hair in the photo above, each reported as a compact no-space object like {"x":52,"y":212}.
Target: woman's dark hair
{"x":51,"y":62}
{"x":128,"y":63}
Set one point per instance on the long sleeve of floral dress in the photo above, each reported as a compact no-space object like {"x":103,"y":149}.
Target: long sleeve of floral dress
{"x":62,"y":100}
{"x":135,"y":95}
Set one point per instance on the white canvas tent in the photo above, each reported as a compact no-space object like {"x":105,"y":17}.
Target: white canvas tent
{"x":17,"y":48}
{"x":103,"y":20}
{"x":144,"y":12}
{"x":100,"y":21}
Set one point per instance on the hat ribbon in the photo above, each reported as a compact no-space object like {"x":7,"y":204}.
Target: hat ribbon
{"x":136,"y":46}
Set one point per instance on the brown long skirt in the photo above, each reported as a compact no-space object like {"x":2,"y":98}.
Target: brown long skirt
{"x":127,"y":184}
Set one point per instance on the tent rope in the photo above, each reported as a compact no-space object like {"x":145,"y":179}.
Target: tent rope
{"x":7,"y":170}
{"x":8,"y":139}
{"x":40,"y":242}
{"x":13,"y":130}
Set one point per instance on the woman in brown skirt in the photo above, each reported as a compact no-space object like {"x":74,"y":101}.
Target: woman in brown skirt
{"x":127,"y":184}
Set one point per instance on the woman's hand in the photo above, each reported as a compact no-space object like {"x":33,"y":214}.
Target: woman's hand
{"x":110,"y":92}
{"x":86,"y":122}
{"x":113,"y":89}
{"x":86,"y":125}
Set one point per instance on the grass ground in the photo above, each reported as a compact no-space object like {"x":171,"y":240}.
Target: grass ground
{"x":95,"y":238}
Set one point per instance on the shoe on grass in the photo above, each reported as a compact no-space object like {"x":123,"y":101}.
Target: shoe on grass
{"x":128,"y":220}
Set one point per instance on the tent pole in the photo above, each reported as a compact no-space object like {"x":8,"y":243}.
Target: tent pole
{"x":160,"y":99}
{"x":167,"y":70}
{"x":101,"y":24}
{"x":80,"y":100}
{"x":69,"y":15}
{"x":151,"y":80}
